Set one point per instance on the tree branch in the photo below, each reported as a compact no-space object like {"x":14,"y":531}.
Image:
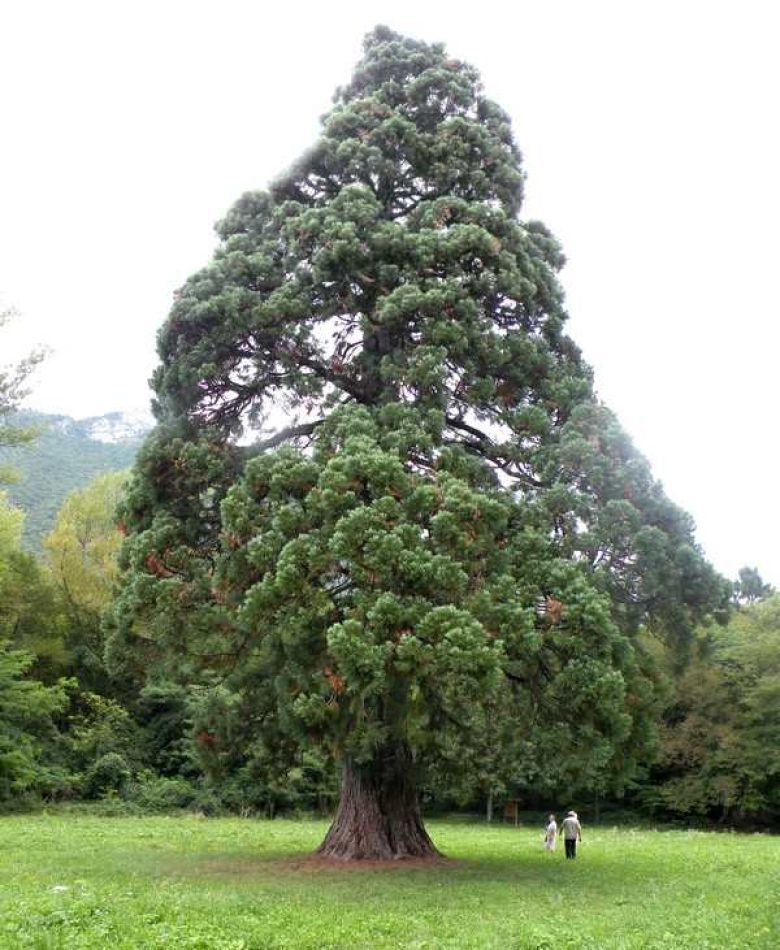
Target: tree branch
{"x":291,"y":432}
{"x":465,"y":427}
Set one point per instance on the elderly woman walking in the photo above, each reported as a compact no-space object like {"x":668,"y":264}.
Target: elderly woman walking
{"x":551,"y":833}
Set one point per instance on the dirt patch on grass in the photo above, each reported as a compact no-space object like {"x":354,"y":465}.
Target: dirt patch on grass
{"x":317,"y":863}
{"x":236,"y":866}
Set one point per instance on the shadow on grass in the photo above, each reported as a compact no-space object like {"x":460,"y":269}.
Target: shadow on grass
{"x":538,"y":870}
{"x":305,"y":864}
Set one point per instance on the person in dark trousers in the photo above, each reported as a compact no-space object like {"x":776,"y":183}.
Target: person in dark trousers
{"x":572,"y":833}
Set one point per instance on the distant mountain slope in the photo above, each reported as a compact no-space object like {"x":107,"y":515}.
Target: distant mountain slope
{"x":68,"y":454}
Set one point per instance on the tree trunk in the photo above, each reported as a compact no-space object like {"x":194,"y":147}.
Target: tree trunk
{"x":378,"y":817}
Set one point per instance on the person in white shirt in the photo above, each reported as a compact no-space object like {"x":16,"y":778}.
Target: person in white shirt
{"x":572,"y":833}
{"x":551,"y":833}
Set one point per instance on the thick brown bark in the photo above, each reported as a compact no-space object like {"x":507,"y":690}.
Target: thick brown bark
{"x":378,"y":818}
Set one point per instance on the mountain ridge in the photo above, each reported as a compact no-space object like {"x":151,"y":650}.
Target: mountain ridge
{"x":67,"y":454}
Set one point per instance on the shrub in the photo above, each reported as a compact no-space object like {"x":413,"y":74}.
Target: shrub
{"x":108,"y":774}
{"x":159,"y":793}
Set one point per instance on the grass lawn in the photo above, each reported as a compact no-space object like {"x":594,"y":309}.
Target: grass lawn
{"x":76,"y":881}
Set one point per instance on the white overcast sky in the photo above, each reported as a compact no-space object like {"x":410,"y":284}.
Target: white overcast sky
{"x":652,"y":148}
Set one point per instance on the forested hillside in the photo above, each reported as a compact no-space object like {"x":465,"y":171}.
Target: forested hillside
{"x":68,"y":454}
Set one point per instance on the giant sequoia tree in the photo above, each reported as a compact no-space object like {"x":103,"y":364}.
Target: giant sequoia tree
{"x":439,"y":539}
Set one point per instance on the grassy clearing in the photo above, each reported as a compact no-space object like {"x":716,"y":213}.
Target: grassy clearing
{"x":73,"y":882}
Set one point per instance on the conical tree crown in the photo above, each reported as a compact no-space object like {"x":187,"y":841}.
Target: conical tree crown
{"x":387,"y":266}
{"x":468,"y":537}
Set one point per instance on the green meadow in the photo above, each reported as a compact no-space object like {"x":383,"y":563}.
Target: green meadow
{"x":183,"y":882}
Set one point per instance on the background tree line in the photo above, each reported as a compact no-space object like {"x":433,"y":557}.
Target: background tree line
{"x":70,"y":731}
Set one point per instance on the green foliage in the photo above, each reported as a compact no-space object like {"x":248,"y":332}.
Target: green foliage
{"x":750,"y":588}
{"x":110,"y":774}
{"x":27,"y":730}
{"x":609,"y":511}
{"x":82,"y":546}
{"x":54,"y":617}
{"x":452,"y":546}
{"x":28,"y":707}
{"x":99,"y":726}
{"x":81,"y":553}
{"x":159,"y":793}
{"x":721,"y":741}
{"x":251,"y":770}
{"x":11,"y":523}
{"x":360,"y":600}
{"x":162,"y":710}
{"x":32,"y":615}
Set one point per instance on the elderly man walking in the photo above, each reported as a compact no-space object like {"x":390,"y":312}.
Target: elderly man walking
{"x":572,"y":833}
